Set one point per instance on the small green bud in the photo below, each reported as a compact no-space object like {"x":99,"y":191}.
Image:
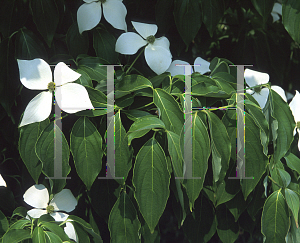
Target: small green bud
{"x":257,"y":89}
{"x":150,"y":39}
{"x":50,"y":209}
{"x":51,"y":86}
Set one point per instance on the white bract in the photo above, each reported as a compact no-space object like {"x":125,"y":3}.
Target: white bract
{"x":276,"y":11}
{"x":89,"y":14}
{"x":70,"y":97}
{"x":157,"y":51}
{"x":200,"y":66}
{"x":2,"y":181}
{"x":37,"y":196}
{"x":294,"y":106}
{"x":254,"y":78}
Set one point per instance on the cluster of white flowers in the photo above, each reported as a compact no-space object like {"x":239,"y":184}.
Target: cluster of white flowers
{"x":37,"y":196}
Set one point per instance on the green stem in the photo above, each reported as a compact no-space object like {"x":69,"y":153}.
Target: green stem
{"x":135,"y":60}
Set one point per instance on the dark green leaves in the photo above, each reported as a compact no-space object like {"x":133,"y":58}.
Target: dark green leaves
{"x":123,"y":222}
{"x":151,"y":180}
{"x":77,"y":44}
{"x":263,"y":7}
{"x":275,"y":218}
{"x":45,"y":16}
{"x":86,"y":148}
{"x":187,"y":15}
{"x":291,"y":18}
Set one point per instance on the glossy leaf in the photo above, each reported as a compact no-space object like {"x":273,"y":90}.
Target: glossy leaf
{"x":52,"y":238}
{"x":38,"y":235}
{"x":123,"y":221}
{"x":263,"y":7}
{"x":45,"y":151}
{"x":3,"y":224}
{"x":285,"y":177}
{"x":104,"y":44}
{"x":291,"y":18}
{"x":151,"y":180}
{"x":28,"y":136}
{"x":200,"y":154}
{"x":256,"y":161}
{"x":46,"y":17}
{"x":171,"y":114}
{"x":94,"y":68}
{"x":122,"y":154}
{"x":293,"y":162}
{"x":86,"y":148}
{"x":293,"y":202}
{"x":16,"y":235}
{"x":275,"y":218}
{"x":220,"y":145}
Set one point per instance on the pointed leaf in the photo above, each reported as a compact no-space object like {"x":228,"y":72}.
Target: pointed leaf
{"x":151,"y":180}
{"x":16,"y":235}
{"x":38,"y":235}
{"x":86,"y":148}
{"x":263,"y":7}
{"x":275,"y":218}
{"x":291,"y":18}
{"x":293,"y":202}
{"x":123,"y":222}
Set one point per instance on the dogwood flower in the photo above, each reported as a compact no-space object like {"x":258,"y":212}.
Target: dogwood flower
{"x":157,"y":51}
{"x":294,"y":106}
{"x":2,"y":181}
{"x":200,"y":66}
{"x":254,"y":78}
{"x":36,"y":75}
{"x":276,"y":11}
{"x":89,"y":14}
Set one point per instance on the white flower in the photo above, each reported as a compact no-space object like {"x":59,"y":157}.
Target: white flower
{"x":276,"y":11}
{"x":36,"y":75}
{"x":294,"y":106}
{"x":2,"y":181}
{"x":254,"y":78}
{"x":89,"y":14}
{"x":157,"y":51}
{"x":177,"y":70}
{"x":37,"y":196}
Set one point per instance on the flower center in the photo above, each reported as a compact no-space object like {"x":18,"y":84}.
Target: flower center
{"x":298,"y":124}
{"x":51,"y":86}
{"x":150,"y":39}
{"x":50,"y":209}
{"x":257,"y":89}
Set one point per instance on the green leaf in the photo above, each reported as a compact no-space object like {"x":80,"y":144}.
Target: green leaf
{"x":212,"y":12}
{"x":28,"y":137}
{"x":77,"y":43}
{"x":55,"y":229}
{"x":131,"y":83}
{"x":20,"y":224}
{"x":86,"y":148}
{"x":275,"y":218}
{"x":256,"y":161}
{"x":81,"y":234}
{"x":285,"y":177}
{"x":136,"y":114}
{"x":20,"y":211}
{"x":123,"y":222}
{"x":46,"y":17}
{"x":293,"y":162}
{"x":28,"y":46}
{"x":44,"y":149}
{"x":123,"y":161}
{"x":16,"y":235}
{"x":236,"y":205}
{"x":291,"y":18}
{"x":200,"y":154}
{"x":38,"y":235}
{"x":146,"y":122}
{"x":52,"y":238}
{"x":104,"y":44}
{"x":227,"y":228}
{"x":282,"y":124}
{"x":201,"y":224}
{"x":3,"y":224}
{"x":94,"y":68}
{"x":151,"y":180}
{"x":263,"y":7}
{"x":220,"y":145}
{"x":187,"y":15}
{"x":170,"y":111}
{"x":293,"y":202}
